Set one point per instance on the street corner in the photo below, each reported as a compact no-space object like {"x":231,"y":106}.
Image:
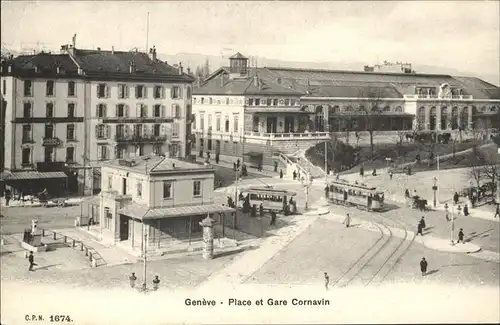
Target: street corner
{"x":445,"y":245}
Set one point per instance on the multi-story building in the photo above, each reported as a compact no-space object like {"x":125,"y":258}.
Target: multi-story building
{"x":71,"y":111}
{"x":285,"y":109}
{"x":162,"y":198}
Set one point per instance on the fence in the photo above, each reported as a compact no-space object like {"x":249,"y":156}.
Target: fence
{"x":94,"y":257}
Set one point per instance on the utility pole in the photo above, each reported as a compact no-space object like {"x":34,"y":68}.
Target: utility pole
{"x":147,"y":35}
{"x":145,"y":254}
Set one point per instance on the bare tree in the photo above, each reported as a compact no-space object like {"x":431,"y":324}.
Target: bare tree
{"x":371,"y":109}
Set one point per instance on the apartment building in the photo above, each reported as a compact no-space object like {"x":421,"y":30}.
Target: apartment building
{"x":66,"y":113}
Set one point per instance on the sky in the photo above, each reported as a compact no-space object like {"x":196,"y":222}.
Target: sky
{"x":463,"y":35}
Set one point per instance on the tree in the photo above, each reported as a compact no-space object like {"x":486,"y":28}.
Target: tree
{"x":371,"y":109}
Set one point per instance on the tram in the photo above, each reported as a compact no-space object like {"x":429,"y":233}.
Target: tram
{"x":271,"y":199}
{"x":359,"y":195}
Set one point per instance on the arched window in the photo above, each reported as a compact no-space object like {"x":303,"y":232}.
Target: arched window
{"x":421,"y":118}
{"x":188,"y":92}
{"x":444,"y":118}
{"x":432,"y":119}
{"x":319,"y":118}
{"x":387,"y":108}
{"x":454,"y":118}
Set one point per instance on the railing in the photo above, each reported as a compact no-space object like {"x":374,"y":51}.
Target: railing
{"x":95,"y":258}
{"x":286,"y":136}
{"x":51,"y":142}
{"x":140,"y":138}
{"x":466,"y":97}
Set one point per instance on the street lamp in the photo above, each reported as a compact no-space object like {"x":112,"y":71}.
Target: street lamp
{"x":434,"y":188}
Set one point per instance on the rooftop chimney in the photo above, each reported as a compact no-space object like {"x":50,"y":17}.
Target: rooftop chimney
{"x":99,"y":49}
{"x":112,"y":50}
{"x":132,"y":67}
{"x":58,"y":70}
{"x":256,"y":81}
{"x":9,"y":68}
{"x":180,"y":68}
{"x":152,"y":53}
{"x":188,"y":71}
{"x":36,"y":69}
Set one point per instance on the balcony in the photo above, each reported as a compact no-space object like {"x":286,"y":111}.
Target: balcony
{"x":54,"y":166}
{"x":453,"y":97}
{"x":140,"y":138}
{"x":136,"y":120}
{"x":51,"y":142}
{"x":288,"y":136}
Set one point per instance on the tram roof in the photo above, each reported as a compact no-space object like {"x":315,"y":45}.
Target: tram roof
{"x":269,"y":190}
{"x":354,"y":185}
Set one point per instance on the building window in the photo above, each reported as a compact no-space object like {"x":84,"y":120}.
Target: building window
{"x":71,"y":110}
{"x":235,"y":121}
{"x":156,"y":130}
{"x":269,"y":101}
{"x":210,"y":100}
{"x":119,"y":152}
{"x":287,"y":102}
{"x":71,"y":89}
{"x":250,"y":102}
{"x":49,"y":88}
{"x":49,"y":110}
{"x":275,"y":102}
{"x":26,"y":159}
{"x":167,"y":190}
{"x":122,"y":91}
{"x":110,"y":182}
{"x":102,"y":152}
{"x":119,"y":130}
{"x":196,"y":188}
{"x":202,"y":121}
{"x":157,"y":111}
{"x":120,"y":110}
{"x":139,"y":188}
{"x":101,"y":131}
{"x":137,"y":130}
{"x":139,"y":149}
{"x":292,"y":102}
{"x":143,"y":110}
{"x":217,"y":123}
{"x":227,"y":100}
{"x":202,"y":100}
{"x":48,"y":154}
{"x":27,"y":133}
{"x":102,"y":91}
{"x":188,"y":92}
{"x":210,"y":122}
{"x":70,"y":153}
{"x":176,"y":92}
{"x":101,"y":110}
{"x":28,"y":88}
{"x":226,"y":124}
{"x":4,"y":87}
{"x":421,"y":118}
{"x":257,"y":101}
{"x":175,"y":130}
{"x":70,"y":132}
{"x":140,"y":91}
{"x":176,"y":111}
{"x":158,"y":92}
{"x":49,"y":131}
{"x":27,"y":109}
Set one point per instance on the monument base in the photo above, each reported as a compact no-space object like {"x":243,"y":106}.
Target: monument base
{"x":36,"y":249}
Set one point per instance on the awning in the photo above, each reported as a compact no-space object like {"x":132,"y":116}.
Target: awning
{"x":139,"y":211}
{"x":27,"y":175}
{"x":253,"y":154}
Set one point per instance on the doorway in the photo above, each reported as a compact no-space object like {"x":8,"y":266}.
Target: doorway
{"x":124,"y":227}
{"x":271,"y":124}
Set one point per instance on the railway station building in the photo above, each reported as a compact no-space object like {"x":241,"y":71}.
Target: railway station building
{"x":162,"y":198}
{"x":241,"y":109}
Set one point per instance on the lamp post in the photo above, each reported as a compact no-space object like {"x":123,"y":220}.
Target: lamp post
{"x":452,"y":224}
{"x":434,"y":188}
{"x":144,"y":286}
{"x":307,"y":183}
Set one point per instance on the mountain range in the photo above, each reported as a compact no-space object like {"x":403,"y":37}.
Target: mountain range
{"x":192,"y":60}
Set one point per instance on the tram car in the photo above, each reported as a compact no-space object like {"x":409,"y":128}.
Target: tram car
{"x":359,"y":195}
{"x":271,"y":199}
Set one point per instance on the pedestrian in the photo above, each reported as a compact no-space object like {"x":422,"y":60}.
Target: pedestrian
{"x":327,"y":281}
{"x":497,"y":212}
{"x":201,"y":153}
{"x":407,"y":194}
{"x":156,"y":283}
{"x":275,"y":166}
{"x":422,"y":221}
{"x":446,"y":212}
{"x":347,"y":221}
{"x":273,"y":218}
{"x":217,"y":157}
{"x":261,"y":210}
{"x":294,"y":175}
{"x":327,"y":191}
{"x":420,"y":229}
{"x":455,"y":198}
{"x":31,"y":260}
{"x":374,"y":173}
{"x":132,"y":279}
{"x":361,"y":172}
{"x":466,"y":210}
{"x":423,"y":266}
{"x":390,"y":175}
{"x":238,"y":163}
{"x":281,"y":173}
{"x":461,"y":236}
{"x":234,"y":166}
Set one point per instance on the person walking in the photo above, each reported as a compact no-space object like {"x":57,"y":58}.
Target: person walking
{"x":407,"y":194}
{"x":238,"y":163}
{"x":497,"y":212}
{"x":327,"y":191}
{"x":422,"y":222}
{"x":261,"y":210}
{"x":461,"y":236}
{"x":273,"y":218}
{"x":294,"y":175}
{"x":217,"y":157}
{"x":31,"y":260}
{"x":347,"y":221}
{"x":390,"y":176}
{"x":156,"y":283}
{"x":327,"y":281}
{"x":132,"y":280}
{"x":455,"y":198}
{"x":361,"y":172}
{"x":466,"y":210}
{"x":281,"y":173}
{"x":423,"y":266}
{"x":420,"y":229}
